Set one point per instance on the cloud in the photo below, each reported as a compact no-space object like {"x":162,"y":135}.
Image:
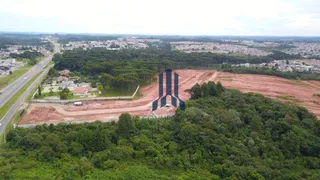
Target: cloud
{"x":209,"y":17}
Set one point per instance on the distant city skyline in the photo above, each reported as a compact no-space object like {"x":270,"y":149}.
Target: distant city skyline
{"x":201,"y":17}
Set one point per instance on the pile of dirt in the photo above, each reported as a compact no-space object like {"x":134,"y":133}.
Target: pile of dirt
{"x":38,"y":114}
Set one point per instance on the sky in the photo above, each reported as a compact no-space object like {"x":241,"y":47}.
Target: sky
{"x":163,"y":17}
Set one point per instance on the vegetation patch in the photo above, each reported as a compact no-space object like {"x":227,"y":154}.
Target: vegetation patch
{"x":113,"y":92}
{"x":316,"y":95}
{"x":300,"y":83}
{"x":315,"y":102}
{"x":286,"y":97}
{"x":290,"y":99}
{"x":33,"y":56}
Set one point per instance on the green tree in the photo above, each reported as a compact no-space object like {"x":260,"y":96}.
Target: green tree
{"x":51,"y":91}
{"x":126,"y":125}
{"x":84,"y":166}
{"x":205,"y":89}
{"x":105,"y":79}
{"x":52,"y":72}
{"x":220,"y":88}
{"x":39,"y":91}
{"x":65,"y":93}
{"x":195,"y":91}
{"x":212,"y":88}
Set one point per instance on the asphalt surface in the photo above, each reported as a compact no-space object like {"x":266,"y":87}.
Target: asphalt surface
{"x":14,"y":87}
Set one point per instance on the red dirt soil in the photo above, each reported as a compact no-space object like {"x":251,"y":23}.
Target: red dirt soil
{"x":112,"y":109}
{"x":294,"y":91}
{"x":299,"y":92}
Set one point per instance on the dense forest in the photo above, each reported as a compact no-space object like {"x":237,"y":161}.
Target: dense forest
{"x":127,"y":68}
{"x":78,"y":59}
{"x":20,"y":39}
{"x":281,"y":55}
{"x":31,"y":55}
{"x":223,"y":134}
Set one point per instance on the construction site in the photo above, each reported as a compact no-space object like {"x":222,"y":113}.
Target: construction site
{"x":292,"y":91}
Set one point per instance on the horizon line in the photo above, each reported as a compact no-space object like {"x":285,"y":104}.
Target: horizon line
{"x":146,"y":34}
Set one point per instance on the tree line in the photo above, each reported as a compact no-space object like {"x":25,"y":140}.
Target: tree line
{"x":269,"y":71}
{"x":127,"y":68}
{"x":20,"y":39}
{"x":31,"y":55}
{"x":64,"y":39}
{"x":77,"y":59}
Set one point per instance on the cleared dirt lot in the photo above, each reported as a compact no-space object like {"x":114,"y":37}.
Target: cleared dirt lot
{"x":294,"y":91}
{"x":112,"y":109}
{"x":298,"y":92}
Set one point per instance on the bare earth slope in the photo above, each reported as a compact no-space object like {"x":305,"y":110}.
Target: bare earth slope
{"x":295,"y":91}
{"x":298,"y":92}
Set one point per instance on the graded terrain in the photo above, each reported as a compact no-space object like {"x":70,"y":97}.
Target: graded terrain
{"x":293,"y":91}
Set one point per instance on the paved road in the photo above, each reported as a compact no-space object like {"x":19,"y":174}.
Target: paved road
{"x":14,"y":87}
{"x":15,"y":107}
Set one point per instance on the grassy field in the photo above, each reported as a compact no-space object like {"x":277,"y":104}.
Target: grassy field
{"x":36,"y":88}
{"x":285,"y":97}
{"x":111,"y":92}
{"x":290,"y":98}
{"x":49,"y":64}
{"x":54,"y":94}
{"x":138,"y":95}
{"x":6,"y":80}
{"x":7,"y":106}
{"x":300,"y":83}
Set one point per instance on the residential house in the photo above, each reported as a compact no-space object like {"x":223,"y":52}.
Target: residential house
{"x":80,"y":91}
{"x":84,"y":84}
{"x":68,"y":84}
{"x":65,"y":72}
{"x":62,"y":78}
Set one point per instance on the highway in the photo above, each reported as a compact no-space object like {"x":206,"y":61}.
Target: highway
{"x":14,"y":87}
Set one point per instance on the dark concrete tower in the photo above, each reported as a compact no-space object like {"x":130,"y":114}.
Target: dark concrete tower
{"x":174,"y":96}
